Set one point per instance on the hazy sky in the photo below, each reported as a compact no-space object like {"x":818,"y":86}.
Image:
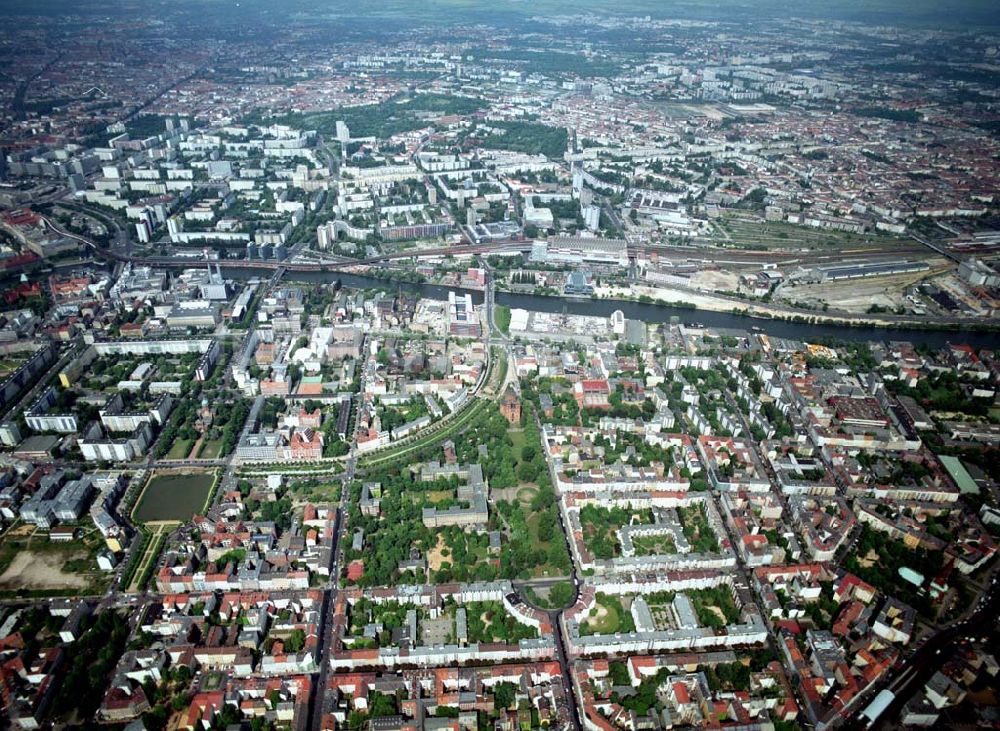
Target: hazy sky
{"x":970,"y":14}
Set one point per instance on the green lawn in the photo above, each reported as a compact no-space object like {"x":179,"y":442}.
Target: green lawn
{"x":501,"y":313}
{"x":654,"y":545}
{"x":526,"y":494}
{"x":180,"y":449}
{"x":431,"y":496}
{"x":211,"y":448}
{"x":9,"y":365}
{"x":537,"y":542}
{"x":516,"y":438}
{"x":607,"y":617}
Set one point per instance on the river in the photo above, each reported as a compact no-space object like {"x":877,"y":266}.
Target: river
{"x":651,"y":312}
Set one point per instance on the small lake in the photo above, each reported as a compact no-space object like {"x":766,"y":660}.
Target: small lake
{"x":174,"y":496}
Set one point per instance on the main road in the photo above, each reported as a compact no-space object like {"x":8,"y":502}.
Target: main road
{"x":555,"y":615}
{"x":912,"y":674}
{"x":316,"y":706}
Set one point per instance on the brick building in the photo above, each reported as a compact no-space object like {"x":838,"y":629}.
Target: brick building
{"x":510,"y":406}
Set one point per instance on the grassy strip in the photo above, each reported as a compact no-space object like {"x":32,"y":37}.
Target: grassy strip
{"x":210,"y":498}
{"x":137,"y":500}
{"x":257,"y":469}
{"x":462,"y":420}
{"x":46,"y":593}
{"x":135,"y":559}
{"x":501,"y":313}
{"x":143,"y":579}
{"x":500,"y":370}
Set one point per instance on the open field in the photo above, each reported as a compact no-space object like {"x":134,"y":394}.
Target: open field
{"x":858,"y":295}
{"x":38,"y":565}
{"x":716,"y":280}
{"x":33,"y":570}
{"x":174,"y":496}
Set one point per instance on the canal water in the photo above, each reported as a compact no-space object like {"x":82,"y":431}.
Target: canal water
{"x":650,"y":312}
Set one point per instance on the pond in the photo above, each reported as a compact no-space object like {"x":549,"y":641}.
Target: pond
{"x":174,"y":497}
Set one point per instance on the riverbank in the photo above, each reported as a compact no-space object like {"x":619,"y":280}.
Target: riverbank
{"x":730,"y":316}
{"x":686,"y":298}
